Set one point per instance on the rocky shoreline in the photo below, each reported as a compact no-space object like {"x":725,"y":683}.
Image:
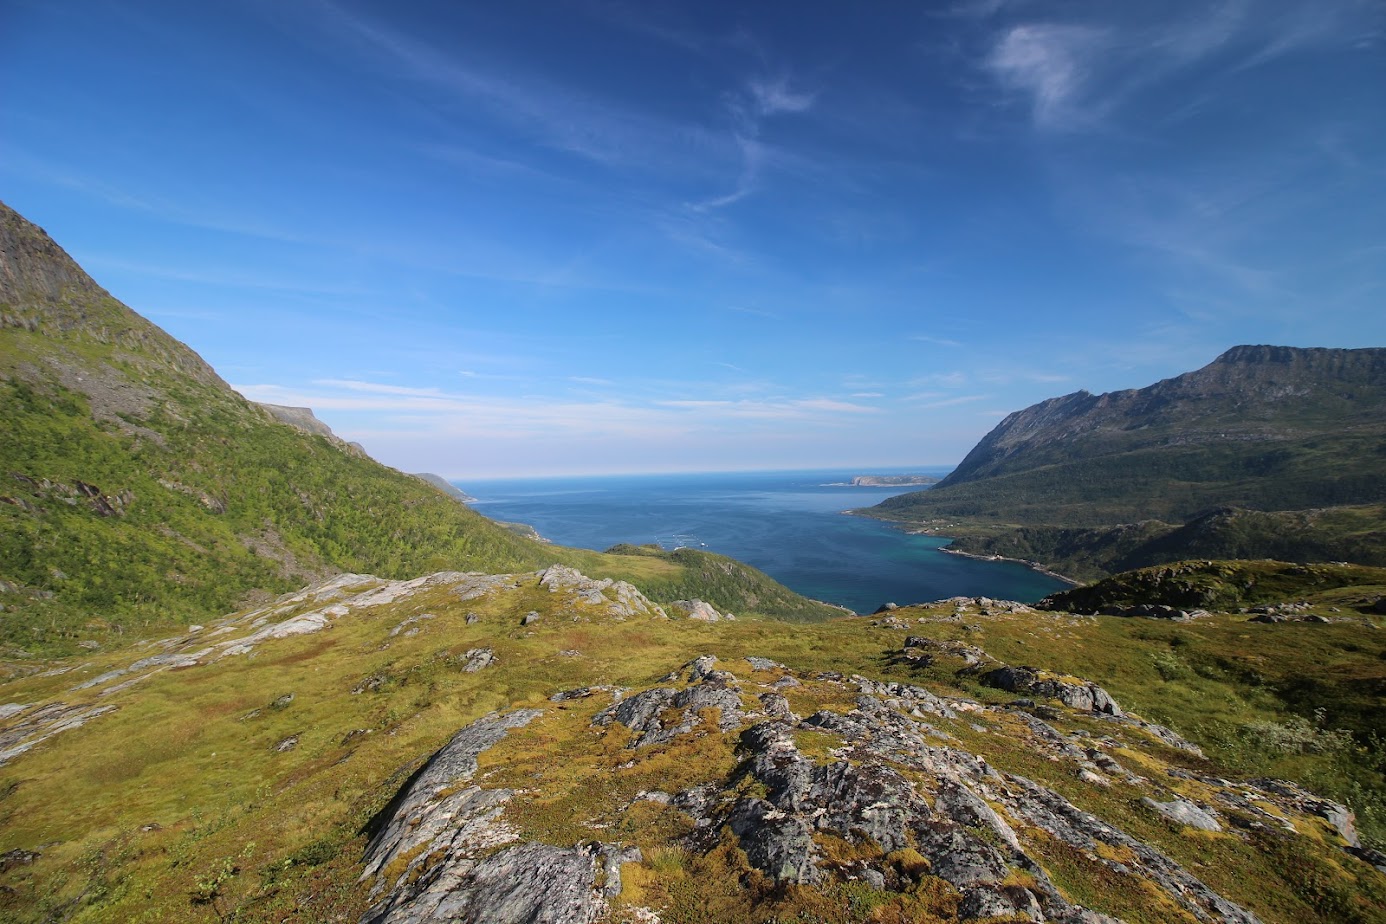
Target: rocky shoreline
{"x":1032,"y":565}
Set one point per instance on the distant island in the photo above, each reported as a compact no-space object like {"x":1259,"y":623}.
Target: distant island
{"x":891,"y":481}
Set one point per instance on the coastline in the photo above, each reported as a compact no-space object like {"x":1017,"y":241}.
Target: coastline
{"x":780,"y":523}
{"x":1032,"y":565}
{"x":881,"y":484}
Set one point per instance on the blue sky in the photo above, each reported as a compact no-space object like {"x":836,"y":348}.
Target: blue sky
{"x":603,"y":236}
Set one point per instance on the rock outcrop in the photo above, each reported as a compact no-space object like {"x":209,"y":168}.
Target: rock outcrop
{"x":1077,"y":694}
{"x":890,"y":788}
{"x":433,"y":854}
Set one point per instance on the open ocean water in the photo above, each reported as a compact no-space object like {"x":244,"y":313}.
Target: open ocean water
{"x":788,"y":524}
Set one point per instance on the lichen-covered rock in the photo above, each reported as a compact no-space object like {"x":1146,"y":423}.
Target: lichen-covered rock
{"x":619,"y":599}
{"x":444,"y":832}
{"x":522,"y":884}
{"x":644,"y":713}
{"x":411,"y":626}
{"x":862,"y":801}
{"x":877,"y":732}
{"x":1184,"y":812}
{"x":1082,"y":695}
{"x":764,"y":664}
{"x":778,"y":844}
{"x":32,"y":728}
{"x":478,"y":659}
{"x":699,"y":609}
{"x":438,"y":822}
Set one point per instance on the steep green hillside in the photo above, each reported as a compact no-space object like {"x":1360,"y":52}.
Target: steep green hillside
{"x":1319,"y":535}
{"x":1291,"y":442}
{"x":137,"y":489}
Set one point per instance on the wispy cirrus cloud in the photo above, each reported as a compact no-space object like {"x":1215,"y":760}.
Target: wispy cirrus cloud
{"x":931,"y":400}
{"x":775,"y":409}
{"x":381,"y":405}
{"x":757,"y":312}
{"x":557,"y":116}
{"x":759,"y":99}
{"x":939,"y":380}
{"x":1050,"y":65}
{"x":774,"y":95}
{"x":377,"y":388}
{"x":381,"y":408}
{"x":1074,"y":74}
{"x":225,"y":278}
{"x":937,"y":341}
{"x":51,"y":171}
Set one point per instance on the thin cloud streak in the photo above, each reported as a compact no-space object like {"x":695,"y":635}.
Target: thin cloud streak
{"x":937,"y":341}
{"x":541,"y":413}
{"x":760,"y":99}
{"x":947,"y":402}
{"x":564,"y":119}
{"x":1074,"y":76}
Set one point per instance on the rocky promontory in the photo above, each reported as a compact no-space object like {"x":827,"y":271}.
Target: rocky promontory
{"x":892,"y":481}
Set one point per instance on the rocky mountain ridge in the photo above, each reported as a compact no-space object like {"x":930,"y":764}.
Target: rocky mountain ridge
{"x":1268,"y":452}
{"x":1249,"y":393}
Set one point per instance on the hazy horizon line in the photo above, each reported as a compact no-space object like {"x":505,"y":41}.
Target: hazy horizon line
{"x":921,"y":468}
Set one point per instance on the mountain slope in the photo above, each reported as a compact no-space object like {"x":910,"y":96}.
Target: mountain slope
{"x":447,"y":487}
{"x":138,"y":489}
{"x":1291,"y":441}
{"x":541,"y":747}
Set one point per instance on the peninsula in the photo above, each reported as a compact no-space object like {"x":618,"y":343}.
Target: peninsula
{"x":892,"y":481}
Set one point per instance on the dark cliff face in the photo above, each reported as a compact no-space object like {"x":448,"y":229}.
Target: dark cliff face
{"x":1253,"y":393}
{"x":34,"y":267}
{"x":43,"y":290}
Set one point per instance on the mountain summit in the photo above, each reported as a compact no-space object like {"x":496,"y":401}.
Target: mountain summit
{"x":1295,"y":436}
{"x":1255,"y":394}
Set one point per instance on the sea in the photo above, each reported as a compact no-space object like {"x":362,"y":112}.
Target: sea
{"x":789,"y":524}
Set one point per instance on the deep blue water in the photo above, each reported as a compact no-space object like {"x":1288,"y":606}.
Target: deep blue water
{"x":787,"y":524}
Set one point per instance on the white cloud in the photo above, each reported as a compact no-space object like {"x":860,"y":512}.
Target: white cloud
{"x":761,"y":98}
{"x":773,"y":409}
{"x":773,"y":96}
{"x":1074,"y":75}
{"x":560,"y":117}
{"x":938,"y":341}
{"x":378,"y":388}
{"x":758,"y":312}
{"x":946,"y":402}
{"x":1049,"y":64}
{"x":379,"y":407}
{"x":938,"y":380}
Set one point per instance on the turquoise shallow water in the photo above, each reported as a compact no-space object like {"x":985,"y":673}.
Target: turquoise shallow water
{"x":788,"y":524}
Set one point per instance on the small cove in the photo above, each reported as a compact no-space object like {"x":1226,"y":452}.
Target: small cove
{"x":788,"y":524}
